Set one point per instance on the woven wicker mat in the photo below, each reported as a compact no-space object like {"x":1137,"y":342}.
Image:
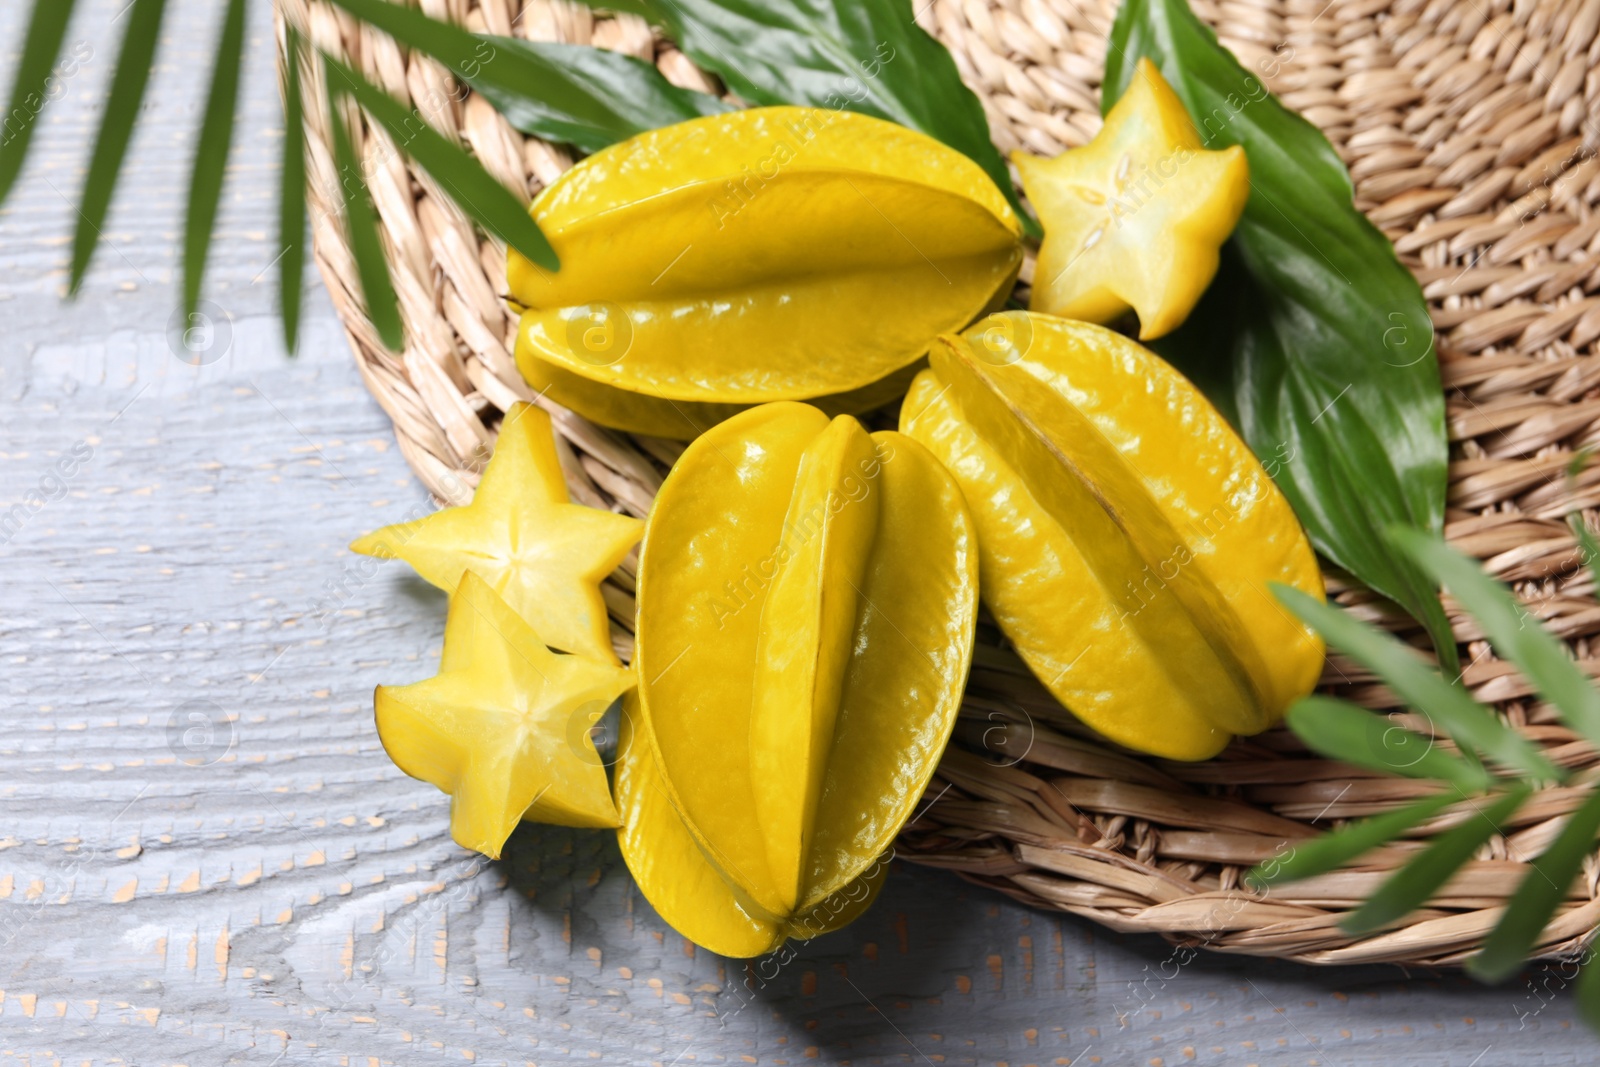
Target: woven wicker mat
{"x":1470,"y":128}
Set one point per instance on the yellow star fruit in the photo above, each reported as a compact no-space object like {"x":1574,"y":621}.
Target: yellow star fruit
{"x":544,"y":555}
{"x":1135,"y":218}
{"x":772,"y":253}
{"x":504,"y":726}
{"x":807,"y":605}
{"x":1128,"y":539}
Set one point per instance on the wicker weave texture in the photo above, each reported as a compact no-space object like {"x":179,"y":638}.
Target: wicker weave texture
{"x":1471,"y":129}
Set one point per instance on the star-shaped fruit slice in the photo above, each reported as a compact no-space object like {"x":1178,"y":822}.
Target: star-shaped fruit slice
{"x":544,"y":555}
{"x":1135,"y":218}
{"x":504,"y":727}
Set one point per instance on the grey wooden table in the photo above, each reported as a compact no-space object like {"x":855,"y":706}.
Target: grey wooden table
{"x":206,"y":858}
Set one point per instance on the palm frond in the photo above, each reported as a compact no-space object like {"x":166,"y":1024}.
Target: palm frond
{"x":473,"y":189}
{"x":1366,"y":739}
{"x":292,"y":190}
{"x":361,"y":226}
{"x":1539,"y":894}
{"x":1338,"y":847}
{"x":1424,"y":874}
{"x":1514,"y":633}
{"x":459,"y":175}
{"x":568,"y":93}
{"x":116,"y":128}
{"x":211,"y":151}
{"x":1492,"y":798}
{"x":1472,"y":726}
{"x":30,"y":90}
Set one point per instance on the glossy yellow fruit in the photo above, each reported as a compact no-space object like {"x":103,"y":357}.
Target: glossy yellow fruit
{"x":690,"y":893}
{"x":545,"y":555}
{"x":504,"y":726}
{"x":807,"y":599}
{"x":682,"y":420}
{"x":1135,"y":218}
{"x":1128,"y":536}
{"x":765,"y":254}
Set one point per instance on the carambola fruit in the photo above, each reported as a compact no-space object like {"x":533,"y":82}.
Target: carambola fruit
{"x":807,"y":603}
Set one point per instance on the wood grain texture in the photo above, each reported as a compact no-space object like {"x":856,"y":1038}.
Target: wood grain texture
{"x":286,"y":896}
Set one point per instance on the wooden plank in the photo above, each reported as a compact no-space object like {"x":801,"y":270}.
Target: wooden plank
{"x":287,"y":896}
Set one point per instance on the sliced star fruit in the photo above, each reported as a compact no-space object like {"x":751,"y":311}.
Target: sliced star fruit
{"x":545,"y":555}
{"x":504,"y":726}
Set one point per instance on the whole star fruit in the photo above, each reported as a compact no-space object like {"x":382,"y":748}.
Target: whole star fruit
{"x":504,"y":727}
{"x":1135,"y":218}
{"x":1128,"y":537}
{"x":775,"y":253}
{"x":543,"y":554}
{"x":807,"y":605}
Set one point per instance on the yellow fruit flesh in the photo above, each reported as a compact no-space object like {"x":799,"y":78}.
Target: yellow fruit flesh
{"x":543,"y":554}
{"x":1135,"y":218}
{"x":494,"y":728}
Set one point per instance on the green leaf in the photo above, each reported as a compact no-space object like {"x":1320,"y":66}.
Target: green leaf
{"x":1333,"y":376}
{"x":1515,"y":634}
{"x":116,"y":127}
{"x":1589,"y":992}
{"x":592,"y":97}
{"x":1413,"y":885}
{"x":1587,"y":543}
{"x":31,"y":90}
{"x":1472,"y":726}
{"x":1344,"y":731}
{"x":844,"y":54}
{"x":583,"y":96}
{"x":473,"y":189}
{"x":1338,"y":847}
{"x":1580,"y":530}
{"x":292,"y":190}
{"x":211,"y":150}
{"x":361,"y":224}
{"x":1537,"y":897}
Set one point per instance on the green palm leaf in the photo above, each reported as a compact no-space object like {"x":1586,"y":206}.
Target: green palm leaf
{"x":1540,"y":893}
{"x":469,"y":185}
{"x":116,"y":127}
{"x":1471,"y":724}
{"x":1515,"y":634}
{"x":1343,"y":731}
{"x":211,"y":153}
{"x":1338,"y":847}
{"x":361,"y":226}
{"x":595,"y":97}
{"x":30,"y":91}
{"x":292,"y":191}
{"x":1334,"y":728}
{"x":1411,"y":886}
{"x":544,"y":88}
